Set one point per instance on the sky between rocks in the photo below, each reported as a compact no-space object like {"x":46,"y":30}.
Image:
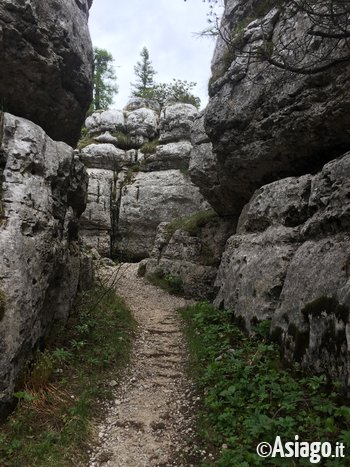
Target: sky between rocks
{"x":166,"y":28}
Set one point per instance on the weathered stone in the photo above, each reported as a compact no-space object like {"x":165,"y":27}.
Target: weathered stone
{"x":106,"y":137}
{"x":96,"y":222}
{"x":266,"y":123}
{"x":190,"y":258}
{"x":106,"y":120}
{"x":104,"y":156}
{"x":142,"y":125}
{"x":149,"y":199}
{"x":46,"y":63}
{"x":140,"y":103}
{"x":175,"y":122}
{"x":43,"y":192}
{"x":169,"y":156}
{"x":292,"y":255}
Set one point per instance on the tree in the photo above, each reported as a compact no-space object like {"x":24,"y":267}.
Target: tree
{"x":144,"y":72}
{"x":104,"y":80}
{"x":177,"y":91}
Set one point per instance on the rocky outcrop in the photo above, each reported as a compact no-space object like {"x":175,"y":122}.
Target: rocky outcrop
{"x":152,"y":198}
{"x":290,"y":262}
{"x":43,"y":192}
{"x":137,"y":161}
{"x":188,"y":251}
{"x":267,"y":123}
{"x":46,"y":63}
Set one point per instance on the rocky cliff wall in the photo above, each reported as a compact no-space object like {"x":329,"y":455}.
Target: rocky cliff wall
{"x":290,"y":262}
{"x":46,"y":63}
{"x":266,"y":122}
{"x":137,"y":160}
{"x":43,"y":192}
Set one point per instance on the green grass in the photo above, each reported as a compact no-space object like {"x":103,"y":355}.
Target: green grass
{"x":85,"y":141}
{"x":168,"y":282}
{"x":62,"y":389}
{"x":247,"y":397}
{"x":191,"y":224}
{"x":150,"y":147}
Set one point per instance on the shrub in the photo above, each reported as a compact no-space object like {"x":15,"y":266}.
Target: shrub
{"x":168,"y":282}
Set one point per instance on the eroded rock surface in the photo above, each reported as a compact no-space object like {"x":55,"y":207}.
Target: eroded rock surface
{"x":137,"y":181}
{"x":267,"y":123}
{"x":290,"y":262}
{"x":43,"y":193}
{"x":190,"y":258}
{"x":46,"y":63}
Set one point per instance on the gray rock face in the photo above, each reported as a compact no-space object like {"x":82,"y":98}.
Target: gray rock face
{"x":107,"y":120}
{"x":104,"y":156}
{"x":95,"y":224}
{"x":46,"y":63}
{"x":290,"y":262}
{"x":191,"y":258}
{"x":169,"y":156}
{"x":43,"y":193}
{"x":152,"y":198}
{"x":176,"y":121}
{"x":266,"y":123}
{"x":132,"y":191}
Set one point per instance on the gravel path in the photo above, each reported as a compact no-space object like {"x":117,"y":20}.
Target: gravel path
{"x":149,"y":423}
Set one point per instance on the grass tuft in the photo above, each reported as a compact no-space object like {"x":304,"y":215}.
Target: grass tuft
{"x":150,"y":147}
{"x":191,"y":224}
{"x":63,"y":387}
{"x":247,"y":397}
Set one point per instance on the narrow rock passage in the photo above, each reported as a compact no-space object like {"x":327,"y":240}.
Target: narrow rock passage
{"x":149,"y":423}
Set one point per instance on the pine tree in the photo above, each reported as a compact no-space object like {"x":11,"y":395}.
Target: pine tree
{"x":144,"y":72}
{"x":104,"y":80}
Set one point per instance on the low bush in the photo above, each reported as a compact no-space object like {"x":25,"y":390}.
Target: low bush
{"x":168,"y":282}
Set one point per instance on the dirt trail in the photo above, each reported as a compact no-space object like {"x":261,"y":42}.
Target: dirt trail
{"x":149,"y":423}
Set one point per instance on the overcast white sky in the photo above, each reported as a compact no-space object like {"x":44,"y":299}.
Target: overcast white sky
{"x":166,"y":28}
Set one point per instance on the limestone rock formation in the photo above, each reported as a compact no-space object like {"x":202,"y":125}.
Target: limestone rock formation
{"x":176,"y":122}
{"x":152,"y":198}
{"x":136,"y":182}
{"x":46,"y":63}
{"x":43,"y":192}
{"x":267,"y":123}
{"x":190,"y":257}
{"x":290,"y":262}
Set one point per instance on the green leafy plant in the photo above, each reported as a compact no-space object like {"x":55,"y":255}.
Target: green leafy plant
{"x":168,"y":282}
{"x":247,"y":397}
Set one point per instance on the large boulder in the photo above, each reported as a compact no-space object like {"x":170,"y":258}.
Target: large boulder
{"x":265,"y":122}
{"x":146,"y":201}
{"x":46,"y":63}
{"x":290,"y":262}
{"x":104,"y":156}
{"x":168,"y":156}
{"x":43,"y":192}
{"x":188,"y":251}
{"x":176,"y":121}
{"x":105,"y":120}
